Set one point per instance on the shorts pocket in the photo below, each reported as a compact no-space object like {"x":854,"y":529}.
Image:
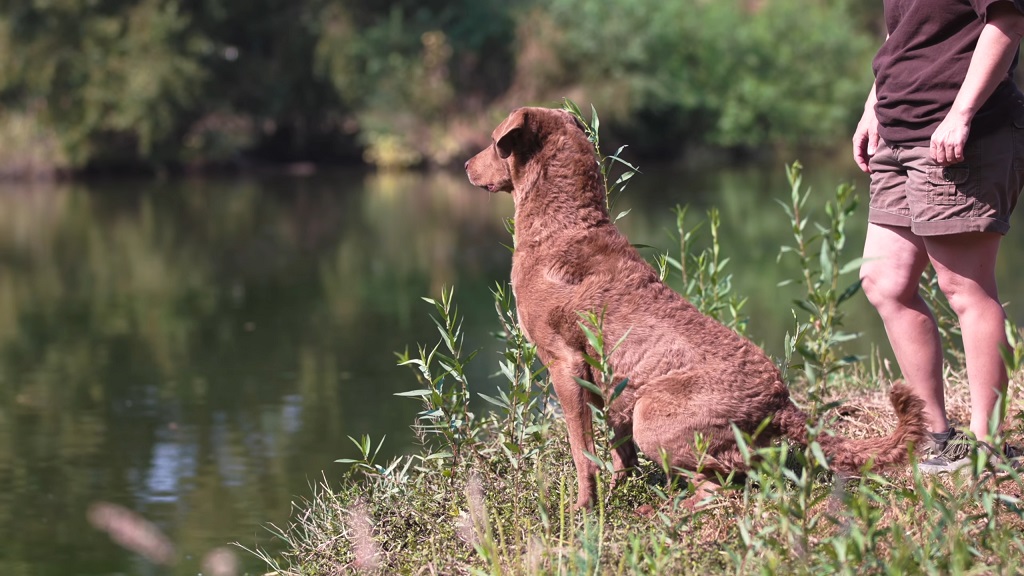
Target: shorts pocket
{"x":1018,"y":138}
{"x":1017,"y":113}
{"x":945,"y":185}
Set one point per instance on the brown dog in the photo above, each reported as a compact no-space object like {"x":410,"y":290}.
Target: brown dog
{"x":688,"y":374}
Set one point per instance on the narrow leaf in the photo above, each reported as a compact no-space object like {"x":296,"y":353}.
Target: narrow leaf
{"x":414,"y":393}
{"x":588,"y":385}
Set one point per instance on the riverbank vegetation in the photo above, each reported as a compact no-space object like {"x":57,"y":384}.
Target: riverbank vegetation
{"x":160,"y":85}
{"x":489,"y":491}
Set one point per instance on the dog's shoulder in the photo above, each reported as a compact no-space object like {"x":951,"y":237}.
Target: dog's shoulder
{"x":600,"y":253}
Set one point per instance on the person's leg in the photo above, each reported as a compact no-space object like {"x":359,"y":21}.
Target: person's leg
{"x":965,"y":265}
{"x":894,"y":260}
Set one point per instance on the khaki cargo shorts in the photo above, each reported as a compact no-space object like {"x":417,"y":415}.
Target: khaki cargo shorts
{"x":908,"y":189}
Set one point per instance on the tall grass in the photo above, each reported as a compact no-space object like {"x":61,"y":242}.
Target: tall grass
{"x":492,"y":493}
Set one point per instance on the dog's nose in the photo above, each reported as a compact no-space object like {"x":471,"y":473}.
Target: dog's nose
{"x":466,"y":165}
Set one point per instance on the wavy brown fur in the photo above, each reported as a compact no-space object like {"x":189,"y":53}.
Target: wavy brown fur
{"x":688,"y":374}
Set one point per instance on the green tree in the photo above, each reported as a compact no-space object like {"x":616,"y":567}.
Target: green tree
{"x":170,"y":82}
{"x":715,"y":72}
{"x":115,"y":77}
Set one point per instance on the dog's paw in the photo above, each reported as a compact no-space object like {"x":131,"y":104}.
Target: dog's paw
{"x":645,"y":511}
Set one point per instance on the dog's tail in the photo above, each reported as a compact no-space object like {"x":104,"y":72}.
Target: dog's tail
{"x":848,"y":455}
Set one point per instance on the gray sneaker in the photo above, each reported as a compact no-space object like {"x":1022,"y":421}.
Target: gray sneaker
{"x":955,"y":453}
{"x":1013,"y":456}
{"x":949,"y":456}
{"x":928,"y":448}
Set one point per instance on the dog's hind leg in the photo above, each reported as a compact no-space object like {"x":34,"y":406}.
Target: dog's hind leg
{"x":685,"y":434}
{"x":624,"y":457}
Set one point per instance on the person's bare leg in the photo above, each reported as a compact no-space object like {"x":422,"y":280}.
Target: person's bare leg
{"x":894,"y":260}
{"x":965,"y":265}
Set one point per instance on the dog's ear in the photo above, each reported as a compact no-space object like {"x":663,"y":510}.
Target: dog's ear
{"x":507,"y":134}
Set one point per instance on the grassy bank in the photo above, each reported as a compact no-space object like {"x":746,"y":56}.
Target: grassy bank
{"x":491,"y":492}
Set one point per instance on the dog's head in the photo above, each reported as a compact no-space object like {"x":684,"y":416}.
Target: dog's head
{"x":514,"y":142}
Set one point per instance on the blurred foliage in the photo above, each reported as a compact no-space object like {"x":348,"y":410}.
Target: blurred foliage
{"x":168,"y":83}
{"x":112,"y":74}
{"x":29,"y":148}
{"x":790,"y":71}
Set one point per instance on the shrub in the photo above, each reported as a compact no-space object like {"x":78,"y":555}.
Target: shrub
{"x":714,"y":72}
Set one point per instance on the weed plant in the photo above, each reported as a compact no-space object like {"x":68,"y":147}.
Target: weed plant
{"x":493,"y":493}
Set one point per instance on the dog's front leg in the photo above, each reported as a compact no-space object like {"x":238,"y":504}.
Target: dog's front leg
{"x":575,"y":399}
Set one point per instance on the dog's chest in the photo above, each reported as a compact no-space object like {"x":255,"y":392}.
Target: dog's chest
{"x":529,"y":286}
{"x":517,"y":292}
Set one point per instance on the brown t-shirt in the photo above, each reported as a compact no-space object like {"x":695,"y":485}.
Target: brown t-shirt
{"x":921,"y":66}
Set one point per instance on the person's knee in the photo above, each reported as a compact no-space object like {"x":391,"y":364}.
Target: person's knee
{"x":965,"y":267}
{"x":958,"y":298}
{"x":885,"y":289}
{"x":965,"y":296}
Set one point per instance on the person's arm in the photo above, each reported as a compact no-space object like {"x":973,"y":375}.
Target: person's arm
{"x":999,"y":42}
{"x":865,"y":138}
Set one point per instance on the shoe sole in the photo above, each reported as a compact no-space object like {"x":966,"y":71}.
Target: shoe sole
{"x":945,"y":468}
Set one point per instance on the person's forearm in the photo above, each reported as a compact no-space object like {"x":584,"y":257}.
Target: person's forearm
{"x":872,"y":99}
{"x":865,"y":138}
{"x":998,"y":44}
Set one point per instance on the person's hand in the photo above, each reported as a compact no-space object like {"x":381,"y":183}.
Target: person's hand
{"x":949,"y":139}
{"x":865,"y":139}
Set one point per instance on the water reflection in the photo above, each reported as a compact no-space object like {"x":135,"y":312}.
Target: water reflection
{"x":198,"y":351}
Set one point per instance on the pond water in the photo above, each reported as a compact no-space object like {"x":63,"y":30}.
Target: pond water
{"x":196,"y":352}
